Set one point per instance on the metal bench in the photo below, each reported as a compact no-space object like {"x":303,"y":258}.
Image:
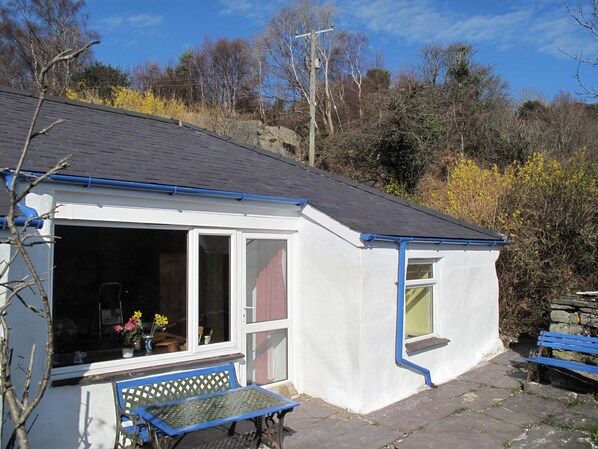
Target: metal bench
{"x":547,"y":341}
{"x":193,"y":400}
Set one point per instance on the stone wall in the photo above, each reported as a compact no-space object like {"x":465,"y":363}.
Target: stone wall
{"x":575,"y":315}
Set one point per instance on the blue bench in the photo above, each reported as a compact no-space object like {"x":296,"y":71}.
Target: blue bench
{"x":547,"y":341}
{"x":207,"y":388}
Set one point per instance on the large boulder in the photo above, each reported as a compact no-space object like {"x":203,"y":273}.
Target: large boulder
{"x":277,"y":139}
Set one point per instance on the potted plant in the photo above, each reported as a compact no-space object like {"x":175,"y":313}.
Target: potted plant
{"x":132,"y":334}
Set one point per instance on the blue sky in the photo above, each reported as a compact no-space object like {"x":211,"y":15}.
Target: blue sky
{"x":524,"y":40}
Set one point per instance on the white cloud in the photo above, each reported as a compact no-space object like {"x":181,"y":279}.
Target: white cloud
{"x":254,"y":10}
{"x":145,"y":20}
{"x":543,"y":27}
{"x":137,"y":21}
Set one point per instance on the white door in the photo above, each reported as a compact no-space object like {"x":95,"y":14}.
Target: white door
{"x":266,"y":318}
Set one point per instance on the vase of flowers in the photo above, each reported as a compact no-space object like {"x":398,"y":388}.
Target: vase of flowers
{"x":131,"y":333}
{"x":159,"y":323}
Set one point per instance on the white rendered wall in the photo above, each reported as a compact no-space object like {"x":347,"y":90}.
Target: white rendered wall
{"x":327,"y":316}
{"x":466,"y":301}
{"x":27,"y":329}
{"x":345,"y":319}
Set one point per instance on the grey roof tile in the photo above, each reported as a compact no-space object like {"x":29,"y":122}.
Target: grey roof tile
{"x":121,"y":145}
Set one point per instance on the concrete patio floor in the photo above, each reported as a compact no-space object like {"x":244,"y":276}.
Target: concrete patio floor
{"x":488,"y":407}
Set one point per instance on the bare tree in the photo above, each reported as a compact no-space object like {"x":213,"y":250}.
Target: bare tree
{"x":21,"y":404}
{"x":258,"y":56}
{"x":288,"y":57}
{"x":586,"y":17}
{"x":433,"y":67}
{"x":31,"y":31}
{"x":353,"y":48}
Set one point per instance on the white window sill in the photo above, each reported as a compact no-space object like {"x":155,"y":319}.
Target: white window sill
{"x":128,"y":373}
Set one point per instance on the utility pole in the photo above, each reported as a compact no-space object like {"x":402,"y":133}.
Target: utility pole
{"x":312,"y":90}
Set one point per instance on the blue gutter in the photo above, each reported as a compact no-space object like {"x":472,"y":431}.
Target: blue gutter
{"x":403,"y":242}
{"x":169,"y":189}
{"x":29,"y":212}
{"x":163,"y":188}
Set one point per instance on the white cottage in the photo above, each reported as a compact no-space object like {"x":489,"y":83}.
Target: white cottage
{"x":302,"y":278}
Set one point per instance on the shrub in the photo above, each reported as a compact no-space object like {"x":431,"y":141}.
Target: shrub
{"x":549,"y":210}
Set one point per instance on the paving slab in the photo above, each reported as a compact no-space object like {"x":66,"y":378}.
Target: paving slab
{"x":547,"y":437}
{"x":551,"y":392}
{"x":334,"y":433}
{"x":532,"y":409}
{"x":467,"y":430}
{"x":425,"y":407}
{"x":439,"y":403}
{"x":497,"y":375}
{"x":485,"y":397}
{"x":579,"y":416}
{"x":310,"y":411}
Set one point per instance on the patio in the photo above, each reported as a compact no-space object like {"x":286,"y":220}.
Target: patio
{"x":486,"y":407}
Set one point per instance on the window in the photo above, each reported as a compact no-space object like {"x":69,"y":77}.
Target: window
{"x":419,"y":299}
{"x":104,"y":275}
{"x":214,"y":288}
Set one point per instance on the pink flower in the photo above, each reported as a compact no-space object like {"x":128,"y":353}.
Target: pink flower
{"x":129,"y":327}
{"x":118,"y":328}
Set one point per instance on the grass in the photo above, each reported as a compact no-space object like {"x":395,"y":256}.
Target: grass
{"x":516,"y":389}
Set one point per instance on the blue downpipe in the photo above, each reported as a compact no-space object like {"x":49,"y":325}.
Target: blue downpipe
{"x":29,"y":212}
{"x":401,"y":315}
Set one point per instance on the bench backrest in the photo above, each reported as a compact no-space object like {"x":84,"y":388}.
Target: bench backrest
{"x":567,"y":342}
{"x":173,"y":386}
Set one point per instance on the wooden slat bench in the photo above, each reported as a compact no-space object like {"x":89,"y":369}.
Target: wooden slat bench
{"x":162,"y":409}
{"x":547,"y":341}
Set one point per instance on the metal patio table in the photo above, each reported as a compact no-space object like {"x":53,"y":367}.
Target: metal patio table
{"x":169,"y":422}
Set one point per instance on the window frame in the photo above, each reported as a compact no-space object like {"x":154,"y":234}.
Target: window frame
{"x":431,"y":283}
{"x":193,"y":351}
{"x":264,"y":326}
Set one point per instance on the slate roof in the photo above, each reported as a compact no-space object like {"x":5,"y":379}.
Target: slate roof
{"x":120,"y":145}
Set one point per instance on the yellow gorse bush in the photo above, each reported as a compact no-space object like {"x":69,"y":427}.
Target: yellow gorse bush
{"x":474,"y":193}
{"x":549,"y":210}
{"x":507,"y":200}
{"x":135,"y":100}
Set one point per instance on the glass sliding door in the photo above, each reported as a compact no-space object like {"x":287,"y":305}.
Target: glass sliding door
{"x":266,"y":310}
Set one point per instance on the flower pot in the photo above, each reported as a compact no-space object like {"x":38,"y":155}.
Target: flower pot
{"x":127,"y":353}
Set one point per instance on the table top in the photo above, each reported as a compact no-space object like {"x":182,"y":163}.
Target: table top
{"x":201,"y":412}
